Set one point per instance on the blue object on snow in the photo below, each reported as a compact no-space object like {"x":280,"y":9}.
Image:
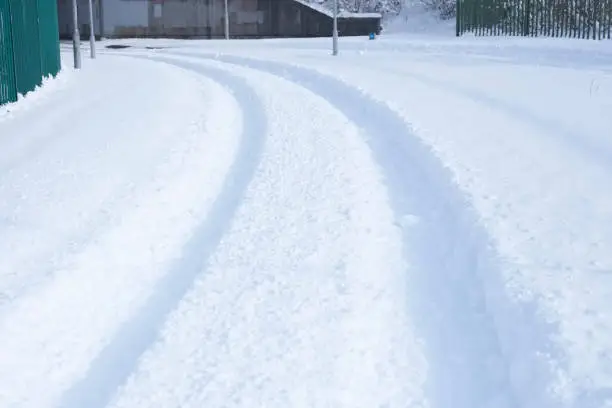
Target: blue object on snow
{"x":372,"y":36}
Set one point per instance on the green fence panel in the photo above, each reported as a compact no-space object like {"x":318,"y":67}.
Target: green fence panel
{"x":29,"y":45}
{"x":8,"y":87}
{"x":49,"y":38}
{"x":588,"y":19}
{"x":608,"y":21}
{"x":26,"y":44}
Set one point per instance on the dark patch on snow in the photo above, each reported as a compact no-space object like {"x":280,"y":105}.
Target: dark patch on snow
{"x":118,"y":46}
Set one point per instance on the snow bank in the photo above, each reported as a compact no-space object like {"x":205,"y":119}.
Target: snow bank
{"x":50,"y":85}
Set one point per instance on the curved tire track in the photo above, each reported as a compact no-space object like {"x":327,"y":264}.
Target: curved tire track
{"x":480,"y":344}
{"x":119,"y":358}
{"x":293,"y":309}
{"x":546,"y":126}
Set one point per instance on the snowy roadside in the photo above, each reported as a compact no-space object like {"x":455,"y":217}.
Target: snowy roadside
{"x":93,"y":217}
{"x":47,"y":90}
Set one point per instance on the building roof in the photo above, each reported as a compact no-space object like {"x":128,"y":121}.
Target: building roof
{"x":343,"y":14}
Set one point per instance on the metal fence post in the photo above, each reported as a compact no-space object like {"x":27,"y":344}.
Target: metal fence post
{"x":335,"y":29}
{"x":526,"y":16}
{"x":76,"y":36}
{"x":458,"y":18}
{"x":92,"y":33}
{"x":8,"y":80}
{"x":227,"y":33}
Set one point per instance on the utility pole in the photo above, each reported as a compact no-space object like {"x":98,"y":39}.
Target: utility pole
{"x":76,"y":36}
{"x":335,"y":30}
{"x":92,"y":34}
{"x":227,"y":35}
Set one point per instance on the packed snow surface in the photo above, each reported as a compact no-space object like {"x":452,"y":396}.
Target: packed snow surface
{"x":420,"y":222}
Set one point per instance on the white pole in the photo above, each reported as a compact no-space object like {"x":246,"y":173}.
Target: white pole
{"x":76,"y":36}
{"x":227,"y":36}
{"x":335,"y":30}
{"x":92,"y":34}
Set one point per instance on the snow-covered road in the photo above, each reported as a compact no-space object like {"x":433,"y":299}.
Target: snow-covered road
{"x":412,"y":224}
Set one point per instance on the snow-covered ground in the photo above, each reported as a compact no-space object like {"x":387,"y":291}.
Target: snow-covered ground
{"x":422,"y":221}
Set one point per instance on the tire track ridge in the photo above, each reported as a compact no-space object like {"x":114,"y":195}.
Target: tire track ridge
{"x":114,"y":364}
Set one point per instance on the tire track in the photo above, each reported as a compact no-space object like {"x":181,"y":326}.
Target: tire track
{"x":551,"y":128}
{"x":457,"y":296}
{"x":52,"y":334}
{"x":289,"y":313}
{"x":118,"y":359}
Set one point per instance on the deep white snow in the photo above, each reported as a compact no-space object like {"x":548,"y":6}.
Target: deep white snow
{"x":419,"y":222}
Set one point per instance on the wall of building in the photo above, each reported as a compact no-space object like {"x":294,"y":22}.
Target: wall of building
{"x":183,"y":18}
{"x":247,"y":17}
{"x":205,"y":19}
{"x":125,"y":17}
{"x":109,"y":16}
{"x":64,"y":11}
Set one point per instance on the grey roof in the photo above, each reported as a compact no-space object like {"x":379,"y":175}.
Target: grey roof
{"x":343,"y":14}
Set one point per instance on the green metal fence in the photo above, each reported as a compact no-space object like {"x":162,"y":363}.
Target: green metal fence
{"x":29,"y":45}
{"x":553,"y":18}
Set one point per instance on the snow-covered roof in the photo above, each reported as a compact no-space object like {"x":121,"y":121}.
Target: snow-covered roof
{"x":343,"y":14}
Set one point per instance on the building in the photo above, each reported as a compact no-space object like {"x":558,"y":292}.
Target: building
{"x":206,"y":19}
